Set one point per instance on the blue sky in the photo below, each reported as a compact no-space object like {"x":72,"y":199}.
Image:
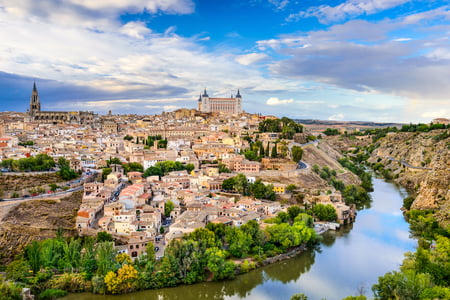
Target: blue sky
{"x":375,"y":60}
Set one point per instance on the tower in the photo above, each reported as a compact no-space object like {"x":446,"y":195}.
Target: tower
{"x":205,"y":102}
{"x":238,"y":103}
{"x":35,"y":104}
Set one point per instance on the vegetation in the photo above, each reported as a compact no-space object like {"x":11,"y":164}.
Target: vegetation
{"x":65,"y":172}
{"x":167,"y":166}
{"x":87,"y":264}
{"x":285,"y":126}
{"x":424,"y":274}
{"x":297,"y":153}
{"x":331,"y":131}
{"x":325,"y":212}
{"x":40,"y":162}
{"x":257,"y":189}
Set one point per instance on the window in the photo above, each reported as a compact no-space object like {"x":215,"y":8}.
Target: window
{"x":131,"y":246}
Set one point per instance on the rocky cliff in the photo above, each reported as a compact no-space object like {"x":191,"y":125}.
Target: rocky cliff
{"x":421,"y":163}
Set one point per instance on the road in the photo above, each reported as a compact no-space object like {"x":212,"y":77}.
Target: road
{"x":406,"y":164}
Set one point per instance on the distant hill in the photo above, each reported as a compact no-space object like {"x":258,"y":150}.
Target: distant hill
{"x":347,"y":123}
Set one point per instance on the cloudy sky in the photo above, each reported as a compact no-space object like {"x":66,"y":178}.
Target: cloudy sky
{"x":376,"y":60}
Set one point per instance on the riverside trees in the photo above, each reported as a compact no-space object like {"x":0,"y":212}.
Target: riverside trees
{"x":87,"y":264}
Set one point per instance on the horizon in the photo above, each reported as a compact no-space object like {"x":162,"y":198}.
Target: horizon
{"x":372,"y":60}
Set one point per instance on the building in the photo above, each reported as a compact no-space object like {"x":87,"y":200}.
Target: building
{"x":232,"y":105}
{"x":56,"y":117}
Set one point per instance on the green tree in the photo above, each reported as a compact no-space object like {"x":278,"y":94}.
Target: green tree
{"x":274,"y":153}
{"x":293,"y":211}
{"x":228,"y":184}
{"x":300,"y":296}
{"x":168,"y":207}
{"x":325,"y":212}
{"x":103,"y":236}
{"x":297,"y":153}
{"x":34,"y":257}
{"x":105,"y":257}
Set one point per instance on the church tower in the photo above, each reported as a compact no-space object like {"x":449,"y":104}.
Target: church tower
{"x":35,"y":104}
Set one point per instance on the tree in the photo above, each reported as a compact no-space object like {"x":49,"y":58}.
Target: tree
{"x":228,"y":184}
{"x":325,"y":212}
{"x":291,"y":187}
{"x":293,"y":211}
{"x":133,"y":167}
{"x":250,"y":155}
{"x":239,"y":243}
{"x":297,"y":153}
{"x":274,"y":153}
{"x":223,"y":168}
{"x":33,"y":254}
{"x":105,"y":256}
{"x":168,"y":207}
{"x":123,"y":282}
{"x":152,"y":171}
{"x":53,"y":187}
{"x":300,"y":296}
{"x":218,"y":265}
{"x":103,"y":236}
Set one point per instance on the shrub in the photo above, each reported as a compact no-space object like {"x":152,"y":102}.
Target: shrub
{"x":52,"y":294}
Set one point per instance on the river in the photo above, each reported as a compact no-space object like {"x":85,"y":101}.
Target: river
{"x":346,"y":262}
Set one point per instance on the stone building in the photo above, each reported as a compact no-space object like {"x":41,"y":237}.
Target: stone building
{"x":35,"y":114}
{"x":232,"y":105}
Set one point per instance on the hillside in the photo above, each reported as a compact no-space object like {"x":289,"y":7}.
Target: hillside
{"x":36,"y":220}
{"x":418,"y":161}
{"x":421,"y":163}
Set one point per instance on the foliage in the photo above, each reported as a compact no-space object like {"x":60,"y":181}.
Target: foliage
{"x":285,"y":126}
{"x":161,"y":168}
{"x":40,"y":162}
{"x":297,"y":153}
{"x":10,"y":290}
{"x":325,"y":212}
{"x":133,"y":167}
{"x":168,"y":207}
{"x":18,"y":270}
{"x":65,"y":172}
{"x":331,"y":131}
{"x":299,"y":296}
{"x":52,"y":294}
{"x":407,"y":202}
{"x":223,"y":168}
{"x":124,"y":281}
{"x":103,"y":236}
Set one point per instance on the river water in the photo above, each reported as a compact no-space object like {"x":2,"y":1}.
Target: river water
{"x":346,"y":262}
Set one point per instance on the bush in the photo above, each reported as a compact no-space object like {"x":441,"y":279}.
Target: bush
{"x":9,"y":290}
{"x":52,"y":294}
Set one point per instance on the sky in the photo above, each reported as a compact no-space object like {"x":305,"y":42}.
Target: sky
{"x":355,"y":60}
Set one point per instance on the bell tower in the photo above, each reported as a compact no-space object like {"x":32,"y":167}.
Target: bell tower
{"x":35,"y":104}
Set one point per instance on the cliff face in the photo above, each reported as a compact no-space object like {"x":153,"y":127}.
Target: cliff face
{"x":36,"y":220}
{"x":421,"y":163}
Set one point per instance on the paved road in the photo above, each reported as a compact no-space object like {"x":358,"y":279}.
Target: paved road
{"x":406,"y":164}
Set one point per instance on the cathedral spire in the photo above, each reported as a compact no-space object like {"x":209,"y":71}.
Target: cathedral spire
{"x":205,"y":94}
{"x":238,"y":95}
{"x":34,"y":87}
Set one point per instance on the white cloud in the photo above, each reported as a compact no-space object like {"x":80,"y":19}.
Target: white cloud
{"x":350,"y":8}
{"x":336,"y":117}
{"x":279,"y":4}
{"x":402,"y":40}
{"x":442,"y":113}
{"x":275,"y":101}
{"x":135,"y":29}
{"x":251,"y":58}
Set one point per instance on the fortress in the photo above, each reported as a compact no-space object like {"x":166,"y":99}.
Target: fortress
{"x":232,"y":105}
{"x":56,"y":117}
